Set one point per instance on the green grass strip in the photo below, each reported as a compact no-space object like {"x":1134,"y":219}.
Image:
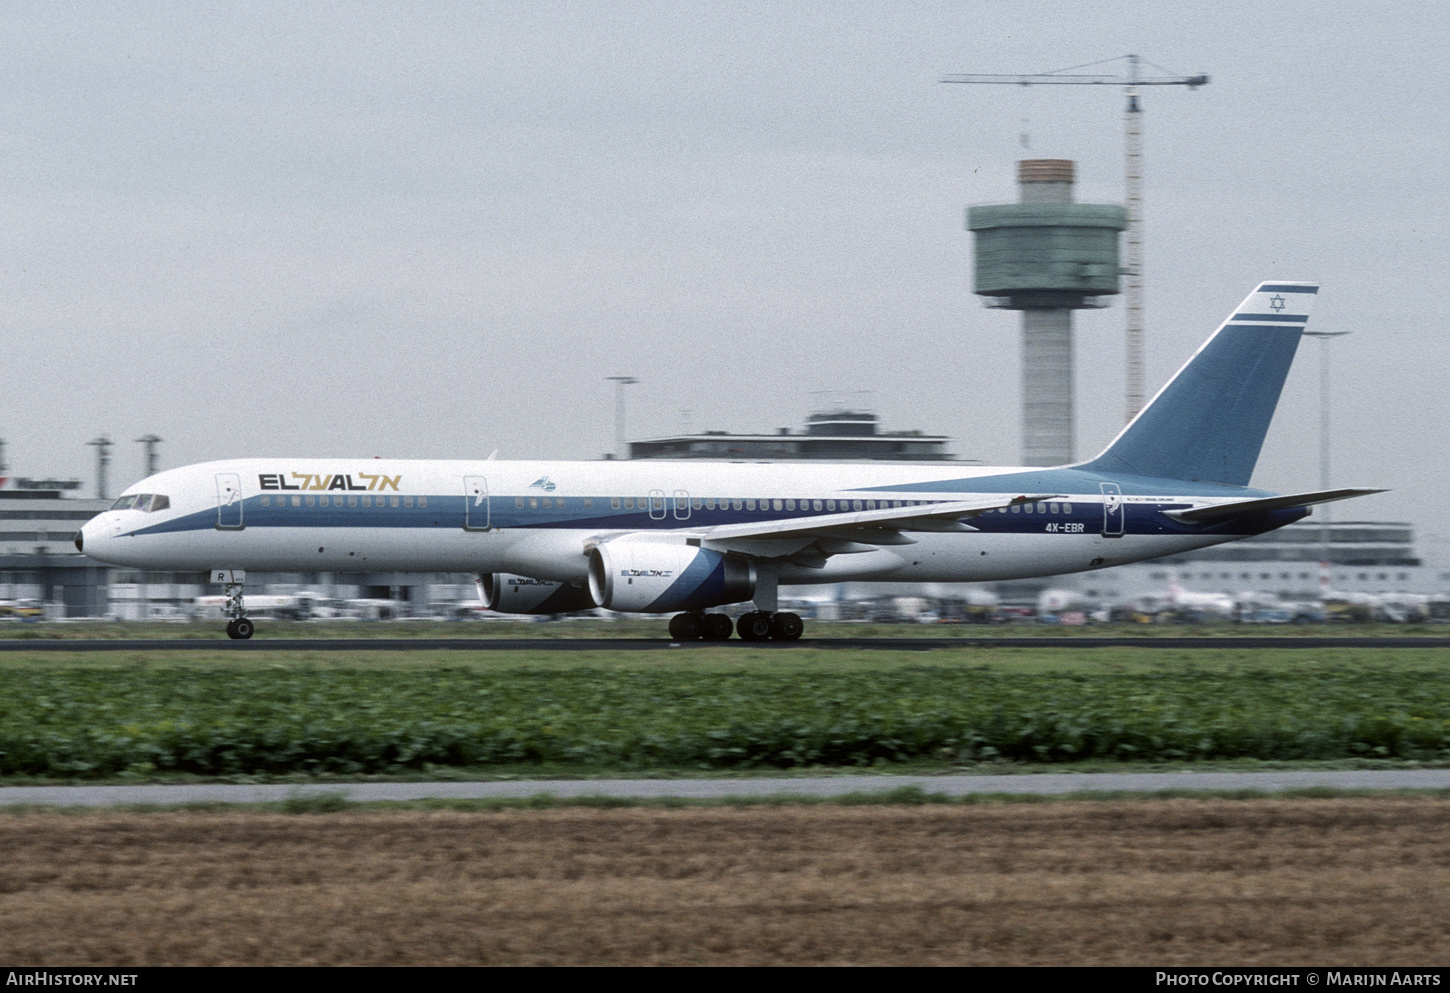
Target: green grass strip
{"x":91,"y":721}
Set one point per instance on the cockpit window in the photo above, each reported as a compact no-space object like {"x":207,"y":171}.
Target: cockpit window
{"x":142,"y":501}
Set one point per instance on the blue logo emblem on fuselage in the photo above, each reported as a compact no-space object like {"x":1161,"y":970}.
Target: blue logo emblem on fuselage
{"x":543,"y":483}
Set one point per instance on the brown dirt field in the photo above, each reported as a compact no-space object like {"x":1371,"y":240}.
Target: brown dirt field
{"x":1159,"y":882}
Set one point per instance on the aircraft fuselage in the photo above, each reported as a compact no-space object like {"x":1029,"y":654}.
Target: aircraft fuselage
{"x":539,"y":519}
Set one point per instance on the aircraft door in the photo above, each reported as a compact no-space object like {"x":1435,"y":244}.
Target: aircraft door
{"x":657,"y":505}
{"x":475,"y":504}
{"x":682,"y":505}
{"x":228,"y":501}
{"x":1114,"y":513}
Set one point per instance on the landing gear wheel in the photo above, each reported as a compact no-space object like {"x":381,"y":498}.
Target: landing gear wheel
{"x":786,"y":627}
{"x":238,"y":627}
{"x":716,"y":627}
{"x":754,"y":626}
{"x":686,"y":627}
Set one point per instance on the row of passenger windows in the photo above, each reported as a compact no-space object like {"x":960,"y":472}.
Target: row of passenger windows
{"x":352,"y":501}
{"x":657,"y":503}
{"x":1042,"y":508}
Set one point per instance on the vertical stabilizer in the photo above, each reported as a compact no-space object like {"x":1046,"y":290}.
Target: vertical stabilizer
{"x":1208,"y":424}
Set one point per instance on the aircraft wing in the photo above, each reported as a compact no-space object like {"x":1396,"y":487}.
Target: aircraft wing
{"x":1238,"y":508}
{"x":852,"y":531}
{"x":943,"y":516}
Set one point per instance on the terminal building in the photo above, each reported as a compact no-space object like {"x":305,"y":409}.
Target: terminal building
{"x":1292,"y":563}
{"x":830,"y":436}
{"x":38,"y":557}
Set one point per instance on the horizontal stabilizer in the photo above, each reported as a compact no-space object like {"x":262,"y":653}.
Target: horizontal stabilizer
{"x":1239,"y":508}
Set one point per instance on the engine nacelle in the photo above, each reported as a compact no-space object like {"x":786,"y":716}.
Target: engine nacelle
{"x":655,"y":578}
{"x":509,"y":594}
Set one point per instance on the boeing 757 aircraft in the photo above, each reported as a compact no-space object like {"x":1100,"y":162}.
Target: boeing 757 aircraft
{"x":666,"y":536}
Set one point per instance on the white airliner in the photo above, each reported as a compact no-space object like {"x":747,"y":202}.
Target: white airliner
{"x":662,"y":536}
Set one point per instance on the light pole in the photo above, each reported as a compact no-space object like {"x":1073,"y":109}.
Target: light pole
{"x":620,"y":382}
{"x":1324,"y":523}
{"x":102,"y":445}
{"x":150,"y":441}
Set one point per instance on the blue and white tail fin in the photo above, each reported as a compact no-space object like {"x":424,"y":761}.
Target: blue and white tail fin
{"x":1208,"y":423}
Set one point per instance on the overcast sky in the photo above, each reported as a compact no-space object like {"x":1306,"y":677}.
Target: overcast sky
{"x":432,"y":229}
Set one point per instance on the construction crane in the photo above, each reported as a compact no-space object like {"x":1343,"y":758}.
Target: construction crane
{"x":1133,"y":182}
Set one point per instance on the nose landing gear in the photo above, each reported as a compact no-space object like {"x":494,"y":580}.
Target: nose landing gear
{"x":239,"y":626}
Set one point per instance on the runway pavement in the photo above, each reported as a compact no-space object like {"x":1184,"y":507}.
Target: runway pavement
{"x":664,"y":644}
{"x":1037,"y":784}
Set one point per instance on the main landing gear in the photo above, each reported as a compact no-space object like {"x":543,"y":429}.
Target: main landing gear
{"x":693,"y":627}
{"x":758,"y":625}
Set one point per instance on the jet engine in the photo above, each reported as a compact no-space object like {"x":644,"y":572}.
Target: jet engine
{"x":654,"y":578}
{"x":509,"y":594}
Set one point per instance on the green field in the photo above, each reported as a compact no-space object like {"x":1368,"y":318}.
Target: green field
{"x":215,"y":712}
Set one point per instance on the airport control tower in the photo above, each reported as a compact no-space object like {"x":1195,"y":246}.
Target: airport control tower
{"x":1046,"y":256}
